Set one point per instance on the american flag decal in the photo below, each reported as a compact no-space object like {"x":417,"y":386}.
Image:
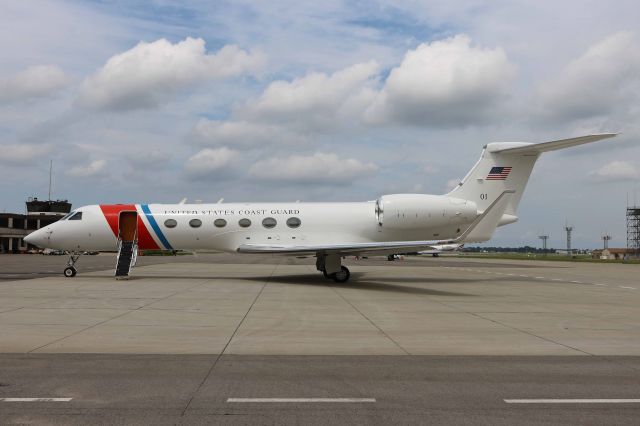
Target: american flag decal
{"x":498,"y":173}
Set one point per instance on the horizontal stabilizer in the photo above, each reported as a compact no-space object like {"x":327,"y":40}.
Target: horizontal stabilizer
{"x":537,"y":148}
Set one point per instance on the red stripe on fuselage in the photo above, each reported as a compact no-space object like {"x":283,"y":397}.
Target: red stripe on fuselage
{"x":112,"y":213}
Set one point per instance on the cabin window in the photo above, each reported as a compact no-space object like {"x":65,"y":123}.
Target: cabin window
{"x":77,"y":216}
{"x":269,"y":222}
{"x":245,"y":223}
{"x":293,"y":222}
{"x":170,"y":223}
{"x":220,"y":223}
{"x":195,"y":223}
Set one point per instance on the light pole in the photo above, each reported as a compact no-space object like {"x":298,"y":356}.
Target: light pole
{"x":544,"y":239}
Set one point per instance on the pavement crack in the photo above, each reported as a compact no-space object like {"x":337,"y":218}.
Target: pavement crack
{"x":406,"y":352}
{"x":513,"y":328}
{"x":115,"y":317}
{"x":215,"y":361}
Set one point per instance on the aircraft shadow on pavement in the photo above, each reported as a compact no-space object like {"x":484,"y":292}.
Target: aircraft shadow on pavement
{"x":354,"y":283}
{"x":357,"y":283}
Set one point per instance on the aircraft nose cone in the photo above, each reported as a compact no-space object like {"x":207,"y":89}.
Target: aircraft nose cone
{"x":38,"y":238}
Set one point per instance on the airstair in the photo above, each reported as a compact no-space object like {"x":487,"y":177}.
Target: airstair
{"x":127,"y":245}
{"x":127,"y":256}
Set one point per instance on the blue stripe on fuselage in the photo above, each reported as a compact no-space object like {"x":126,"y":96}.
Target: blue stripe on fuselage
{"x":154,"y":225}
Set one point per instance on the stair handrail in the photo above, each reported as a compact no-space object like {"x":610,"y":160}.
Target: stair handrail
{"x":134,"y":250}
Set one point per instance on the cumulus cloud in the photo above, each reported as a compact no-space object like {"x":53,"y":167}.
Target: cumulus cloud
{"x":316,"y":168}
{"x":149,"y":73}
{"x":316,"y":100}
{"x":208,"y":162}
{"x":34,"y":82}
{"x":22,"y":154}
{"x":442,"y":84}
{"x":606,"y":78}
{"x":445,"y":83}
{"x":149,"y":159}
{"x":94,"y":168}
{"x":616,"y":171}
{"x":243,"y":134}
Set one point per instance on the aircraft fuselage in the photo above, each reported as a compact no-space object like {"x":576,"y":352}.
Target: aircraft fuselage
{"x":220,"y":226}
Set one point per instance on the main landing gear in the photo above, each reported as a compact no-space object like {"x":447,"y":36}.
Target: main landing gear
{"x":70,"y":270}
{"x":332,"y":268}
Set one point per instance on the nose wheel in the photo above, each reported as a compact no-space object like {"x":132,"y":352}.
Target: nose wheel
{"x":70,"y":270}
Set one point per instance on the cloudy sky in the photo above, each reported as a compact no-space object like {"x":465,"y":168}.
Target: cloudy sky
{"x":155,"y":101}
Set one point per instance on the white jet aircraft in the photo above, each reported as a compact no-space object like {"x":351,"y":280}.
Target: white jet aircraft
{"x":486,"y":198}
{"x":441,"y":248}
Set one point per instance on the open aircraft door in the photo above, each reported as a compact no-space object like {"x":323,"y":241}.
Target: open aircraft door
{"x":127,"y":243}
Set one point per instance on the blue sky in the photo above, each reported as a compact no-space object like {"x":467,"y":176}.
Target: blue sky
{"x":156,"y":101}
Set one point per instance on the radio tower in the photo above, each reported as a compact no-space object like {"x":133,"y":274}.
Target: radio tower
{"x":569,"y":229}
{"x":633,"y":231}
{"x":605,"y":240}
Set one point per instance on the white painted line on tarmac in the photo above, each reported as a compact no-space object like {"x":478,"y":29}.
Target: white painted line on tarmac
{"x":524,"y":276}
{"x":630,"y":288}
{"x":36,"y":399}
{"x":540,"y":278}
{"x":603,"y":285}
{"x":301,"y":400}
{"x":572,"y":401}
{"x":556,"y":279}
{"x":577,"y":282}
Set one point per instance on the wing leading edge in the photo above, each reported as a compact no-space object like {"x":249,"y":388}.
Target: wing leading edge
{"x":480,"y":229}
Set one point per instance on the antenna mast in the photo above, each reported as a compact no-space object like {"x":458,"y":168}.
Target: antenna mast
{"x":50,"y":171}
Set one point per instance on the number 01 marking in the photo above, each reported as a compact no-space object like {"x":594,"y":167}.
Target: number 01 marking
{"x":483,"y":196}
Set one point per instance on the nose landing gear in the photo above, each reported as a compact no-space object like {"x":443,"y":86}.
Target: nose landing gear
{"x":70,"y":270}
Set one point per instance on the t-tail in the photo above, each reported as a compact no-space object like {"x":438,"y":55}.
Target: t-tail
{"x":507,"y":166}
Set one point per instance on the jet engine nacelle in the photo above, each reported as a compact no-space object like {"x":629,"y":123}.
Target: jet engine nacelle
{"x":407,"y":211}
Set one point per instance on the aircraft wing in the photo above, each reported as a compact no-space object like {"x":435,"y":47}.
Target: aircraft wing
{"x":480,"y":229}
{"x":342,"y":249}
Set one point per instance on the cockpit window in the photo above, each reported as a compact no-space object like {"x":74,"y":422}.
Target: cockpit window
{"x":66,"y":216}
{"x":76,"y":216}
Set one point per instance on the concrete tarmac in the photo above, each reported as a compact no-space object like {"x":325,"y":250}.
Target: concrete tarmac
{"x":442,"y":341}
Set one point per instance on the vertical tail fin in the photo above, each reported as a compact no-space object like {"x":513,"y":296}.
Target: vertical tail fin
{"x":508,"y":165}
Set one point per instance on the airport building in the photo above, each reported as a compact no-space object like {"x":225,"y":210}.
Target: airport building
{"x":15,"y":226}
{"x":612,"y":253}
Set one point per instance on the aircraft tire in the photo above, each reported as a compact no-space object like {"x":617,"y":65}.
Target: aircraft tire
{"x":342,"y":276}
{"x":70,"y":272}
